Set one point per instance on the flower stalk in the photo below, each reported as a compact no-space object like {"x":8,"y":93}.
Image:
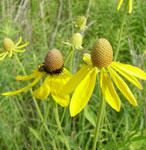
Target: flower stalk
{"x":36,"y":104}
{"x":121,"y":30}
{"x":100,"y":118}
{"x":59,"y":126}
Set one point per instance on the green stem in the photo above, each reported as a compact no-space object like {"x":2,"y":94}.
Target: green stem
{"x":68,"y":57}
{"x":71,"y":61}
{"x":59,"y":126}
{"x":45,"y":117}
{"x":99,"y":122}
{"x":20,"y":64}
{"x":121,"y":30}
{"x":36,"y":104}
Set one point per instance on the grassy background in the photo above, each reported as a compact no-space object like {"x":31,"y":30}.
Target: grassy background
{"x":46,"y":24}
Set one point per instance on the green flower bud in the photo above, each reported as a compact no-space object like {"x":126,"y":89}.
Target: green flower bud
{"x":81,"y":22}
{"x":76,"y":40}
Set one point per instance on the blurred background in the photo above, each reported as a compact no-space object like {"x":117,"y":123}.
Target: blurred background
{"x":46,"y":24}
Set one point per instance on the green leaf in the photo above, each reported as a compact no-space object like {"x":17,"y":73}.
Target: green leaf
{"x":90,"y":115}
{"x":35,"y":133}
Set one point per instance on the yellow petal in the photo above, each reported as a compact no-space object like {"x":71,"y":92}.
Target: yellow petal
{"x":129,"y":77}
{"x":20,"y":39}
{"x":23,"y":89}
{"x":66,"y":71}
{"x":62,"y":100}
{"x":75,"y":80}
{"x":11,"y":53}
{"x":44,"y":90}
{"x":87,"y":59}
{"x":122,"y":86}
{"x":83,"y":92}
{"x":119,"y":4}
{"x":57,"y":82}
{"x":135,"y":71}
{"x":21,"y":46}
{"x":108,"y":91}
{"x":19,"y":51}
{"x":130,"y":6}
{"x":31,"y":76}
{"x":4,"y":55}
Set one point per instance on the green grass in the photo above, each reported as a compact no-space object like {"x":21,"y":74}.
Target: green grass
{"x":21,"y":127}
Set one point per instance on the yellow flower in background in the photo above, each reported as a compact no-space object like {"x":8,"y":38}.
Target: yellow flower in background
{"x":10,"y":47}
{"x":100,"y":62}
{"x":81,"y":22}
{"x":76,"y":41}
{"x":130,"y":5}
{"x":55,"y":78}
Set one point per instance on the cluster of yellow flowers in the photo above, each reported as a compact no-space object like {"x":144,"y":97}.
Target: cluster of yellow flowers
{"x":60,"y":82}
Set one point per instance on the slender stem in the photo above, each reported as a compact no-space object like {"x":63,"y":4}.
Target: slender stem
{"x":36,"y":104}
{"x":68,"y":57}
{"x":72,"y":60}
{"x":99,"y":122}
{"x":59,"y":126}
{"x":45,"y":117}
{"x":20,"y":64}
{"x":121,"y":30}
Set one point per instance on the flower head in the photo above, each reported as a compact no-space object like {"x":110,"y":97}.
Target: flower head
{"x":9,"y":47}
{"x":76,"y":41}
{"x":81,"y":22}
{"x":55,"y":78}
{"x":83,"y":81}
{"x":130,"y":5}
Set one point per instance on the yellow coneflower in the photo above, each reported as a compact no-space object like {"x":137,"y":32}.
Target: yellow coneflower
{"x":10,"y":47}
{"x":100,"y":62}
{"x":130,"y":5}
{"x":55,"y":78}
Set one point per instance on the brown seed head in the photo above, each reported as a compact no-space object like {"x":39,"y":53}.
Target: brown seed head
{"x":8,"y":44}
{"x":53,"y":61}
{"x":102,"y":53}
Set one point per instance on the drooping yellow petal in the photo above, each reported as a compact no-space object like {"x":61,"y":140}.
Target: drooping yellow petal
{"x":135,"y":71}
{"x":75,"y":80}
{"x":130,"y":6}
{"x":87,"y":59}
{"x":57,"y":82}
{"x":129,"y":77}
{"x":20,"y":39}
{"x":108,"y":91}
{"x":4,"y":55}
{"x":83,"y":93}
{"x":23,"y":89}
{"x":62,"y":100}
{"x":44,"y":90}
{"x":21,"y":46}
{"x":122,"y":86}
{"x":119,"y":4}
{"x":31,"y":76}
{"x":19,"y":51}
{"x":65,"y":71}
{"x":10,"y":54}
